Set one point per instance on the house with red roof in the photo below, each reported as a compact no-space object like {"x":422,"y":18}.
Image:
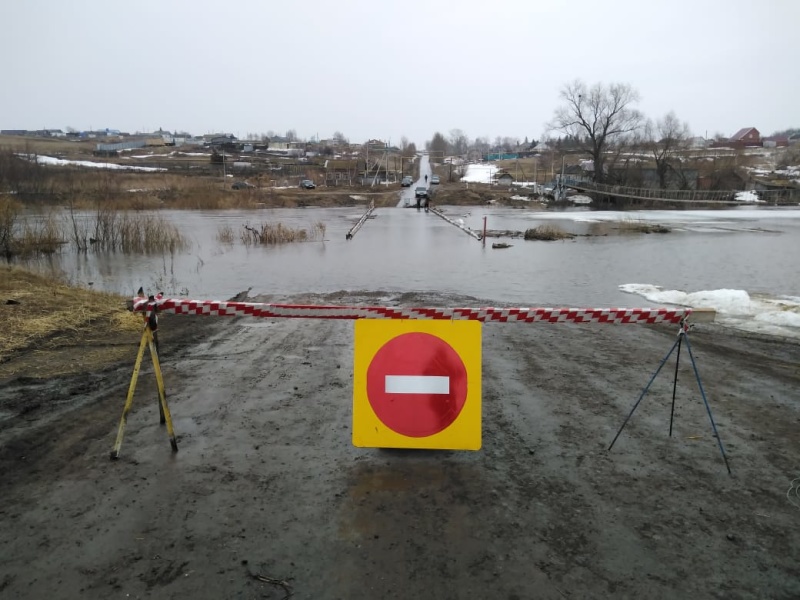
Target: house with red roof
{"x":745,"y":137}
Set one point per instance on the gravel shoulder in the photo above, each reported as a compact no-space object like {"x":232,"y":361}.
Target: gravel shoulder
{"x":266,"y":481}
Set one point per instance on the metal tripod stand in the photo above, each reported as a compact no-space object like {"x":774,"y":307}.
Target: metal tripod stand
{"x":683,"y":336}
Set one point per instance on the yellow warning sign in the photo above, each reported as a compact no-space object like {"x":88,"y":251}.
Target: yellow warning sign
{"x":417,"y":384}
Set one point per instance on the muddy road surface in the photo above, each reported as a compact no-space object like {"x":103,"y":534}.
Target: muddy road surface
{"x":267,"y":497}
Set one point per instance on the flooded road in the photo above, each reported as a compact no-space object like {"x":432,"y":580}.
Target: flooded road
{"x":750,"y":250}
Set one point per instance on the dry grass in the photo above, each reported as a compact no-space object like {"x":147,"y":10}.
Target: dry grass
{"x":633,"y":226}
{"x":225,"y":234}
{"x":28,"y":237}
{"x":9,"y":213}
{"x":318,"y":230}
{"x":50,"y":146}
{"x":38,"y":236}
{"x":541,"y":169}
{"x":278,"y":233}
{"x":547,"y":233}
{"x":146,"y":234}
{"x":112,"y":230}
{"x":46,"y":312}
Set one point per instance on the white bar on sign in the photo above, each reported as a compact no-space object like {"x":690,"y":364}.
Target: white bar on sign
{"x":417,"y":384}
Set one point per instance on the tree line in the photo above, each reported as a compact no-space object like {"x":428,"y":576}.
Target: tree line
{"x":602,"y":121}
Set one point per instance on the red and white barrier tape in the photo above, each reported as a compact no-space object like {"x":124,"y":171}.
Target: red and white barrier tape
{"x":615,"y":316}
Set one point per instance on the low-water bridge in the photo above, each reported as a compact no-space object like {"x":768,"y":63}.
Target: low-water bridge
{"x":781,"y":196}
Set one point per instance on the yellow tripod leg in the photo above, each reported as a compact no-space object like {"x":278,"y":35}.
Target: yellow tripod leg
{"x":162,"y":396}
{"x":129,"y":400}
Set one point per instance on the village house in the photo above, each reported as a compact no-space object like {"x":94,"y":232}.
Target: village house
{"x":744,"y":138}
{"x":343,"y":171}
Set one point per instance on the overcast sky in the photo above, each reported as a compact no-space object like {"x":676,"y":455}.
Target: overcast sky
{"x":385,"y":68}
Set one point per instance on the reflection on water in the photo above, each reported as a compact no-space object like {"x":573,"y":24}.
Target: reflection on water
{"x":407,"y":250}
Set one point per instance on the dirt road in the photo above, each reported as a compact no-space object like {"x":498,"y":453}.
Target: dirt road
{"x":267,"y":483}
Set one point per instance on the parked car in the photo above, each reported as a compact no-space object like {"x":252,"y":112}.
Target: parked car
{"x":435,"y":179}
{"x":242,"y":185}
{"x":307,"y":184}
{"x":407,"y":181}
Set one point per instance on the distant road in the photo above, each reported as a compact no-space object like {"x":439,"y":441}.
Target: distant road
{"x":407,"y":195}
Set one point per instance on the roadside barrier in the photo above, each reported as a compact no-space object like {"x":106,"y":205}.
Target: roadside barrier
{"x":612,"y":316}
{"x":151,"y":306}
{"x":149,"y":339}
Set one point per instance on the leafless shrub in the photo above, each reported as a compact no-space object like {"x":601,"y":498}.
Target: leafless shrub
{"x":547,"y":233}
{"x":36,"y":236}
{"x":145,"y":234}
{"x":9,"y":211}
{"x":225,"y":234}
{"x":130,"y":233}
{"x":278,"y":233}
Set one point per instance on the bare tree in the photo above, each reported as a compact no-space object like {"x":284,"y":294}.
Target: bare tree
{"x":665,"y":140}
{"x":597,"y":116}
{"x":340,"y":138}
{"x":510,"y":143}
{"x":407,"y":149}
{"x":458,"y":142}
{"x":481,"y":144}
{"x":437,"y":146}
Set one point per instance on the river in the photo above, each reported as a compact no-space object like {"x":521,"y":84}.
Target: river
{"x":741,"y":261}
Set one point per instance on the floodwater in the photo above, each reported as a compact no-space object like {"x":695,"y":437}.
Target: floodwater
{"x":748,"y":253}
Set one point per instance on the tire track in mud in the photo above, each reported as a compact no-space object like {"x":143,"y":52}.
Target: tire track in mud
{"x":652,"y":495}
{"x":266,"y":474}
{"x":524,"y":437}
{"x":254,"y":437}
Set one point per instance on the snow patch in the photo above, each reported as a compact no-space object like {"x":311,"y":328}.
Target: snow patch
{"x":479,"y":173}
{"x":747,"y":197}
{"x":735,"y":308}
{"x":51,"y":160}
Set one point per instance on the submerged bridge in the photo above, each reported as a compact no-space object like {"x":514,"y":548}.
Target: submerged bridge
{"x":781,"y":196}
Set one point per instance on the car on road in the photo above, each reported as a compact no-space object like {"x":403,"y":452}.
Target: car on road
{"x":307,"y":184}
{"x":434,"y":179}
{"x":421,"y":192}
{"x":407,"y":181}
{"x":242,"y":185}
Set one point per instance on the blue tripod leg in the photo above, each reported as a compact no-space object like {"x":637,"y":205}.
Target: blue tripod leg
{"x":644,"y":391}
{"x":675,"y":383}
{"x":708,"y":407}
